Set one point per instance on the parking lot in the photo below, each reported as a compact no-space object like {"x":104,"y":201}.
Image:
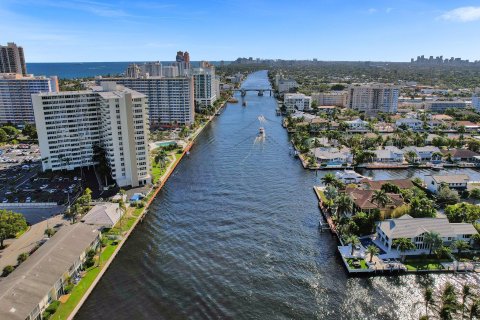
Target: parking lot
{"x":21,"y":179}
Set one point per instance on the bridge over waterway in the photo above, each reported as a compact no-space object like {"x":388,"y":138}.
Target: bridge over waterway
{"x":260,"y":91}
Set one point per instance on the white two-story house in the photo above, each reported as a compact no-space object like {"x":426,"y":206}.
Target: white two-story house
{"x":415,"y":228}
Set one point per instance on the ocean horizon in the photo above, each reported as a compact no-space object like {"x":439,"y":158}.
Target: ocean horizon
{"x":73,"y":70}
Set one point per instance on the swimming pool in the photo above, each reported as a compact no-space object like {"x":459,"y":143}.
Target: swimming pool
{"x":367,"y":242}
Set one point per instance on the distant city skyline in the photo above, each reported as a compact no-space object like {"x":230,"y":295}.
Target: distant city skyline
{"x":89,"y":31}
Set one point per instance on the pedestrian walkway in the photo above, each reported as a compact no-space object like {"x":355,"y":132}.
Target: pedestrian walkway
{"x":27,"y":241}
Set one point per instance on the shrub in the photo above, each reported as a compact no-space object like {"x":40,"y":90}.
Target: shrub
{"x":68,"y":288}
{"x":7,"y":270}
{"x":52,"y":308}
{"x":22,"y":257}
{"x":89,"y":263}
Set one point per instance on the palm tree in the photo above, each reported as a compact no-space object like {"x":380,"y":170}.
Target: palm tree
{"x":403,"y":245}
{"x":380,"y":197}
{"x":428,"y":297}
{"x":411,"y":156}
{"x":372,"y":250}
{"x":432,"y":240}
{"x":460,"y":245}
{"x":437,"y":155}
{"x":328,"y":179}
{"x":353,"y":241}
{"x":475,"y":310}
{"x":466,"y":293}
{"x":344,"y":204}
{"x":450,"y":304}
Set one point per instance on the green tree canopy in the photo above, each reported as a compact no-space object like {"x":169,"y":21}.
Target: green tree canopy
{"x":422,"y":208}
{"x":10,"y":224}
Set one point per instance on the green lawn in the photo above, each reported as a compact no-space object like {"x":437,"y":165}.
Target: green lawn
{"x":79,"y":290}
{"x":363,"y":263}
{"x":424,"y":264}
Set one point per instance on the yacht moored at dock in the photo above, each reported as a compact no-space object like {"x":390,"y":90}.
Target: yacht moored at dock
{"x":350,"y":176}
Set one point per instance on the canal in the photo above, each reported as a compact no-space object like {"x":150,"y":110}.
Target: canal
{"x":233,"y":234}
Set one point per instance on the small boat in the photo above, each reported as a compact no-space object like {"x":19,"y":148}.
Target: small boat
{"x":261,"y":131}
{"x":350,"y":176}
{"x":437,"y":167}
{"x":295,"y":154}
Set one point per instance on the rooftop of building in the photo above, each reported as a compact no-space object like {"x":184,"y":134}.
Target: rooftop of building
{"x":408,"y":227}
{"x":451,"y":178}
{"x":363,"y":199}
{"x":23,"y":289}
{"x":106,"y":214}
{"x":18,"y":76}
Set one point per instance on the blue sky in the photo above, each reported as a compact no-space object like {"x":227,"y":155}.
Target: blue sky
{"x":131,"y":30}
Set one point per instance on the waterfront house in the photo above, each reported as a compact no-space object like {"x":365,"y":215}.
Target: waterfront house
{"x":41,"y":279}
{"x":389,"y":154}
{"x":423,"y":153}
{"x":357,"y":125}
{"x":410,"y":123}
{"x":461,"y":155}
{"x":303,"y":115}
{"x":319,"y":124}
{"x":453,"y":181}
{"x":468,"y":125}
{"x":104,"y":215}
{"x":333,"y":156}
{"x":415,"y":228}
{"x":362,"y":200}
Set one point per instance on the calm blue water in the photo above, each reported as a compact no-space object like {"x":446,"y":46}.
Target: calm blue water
{"x":71,"y":70}
{"x":233,"y":235}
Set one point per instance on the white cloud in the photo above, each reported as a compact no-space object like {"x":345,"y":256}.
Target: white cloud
{"x":372,"y":10}
{"x":388,"y":10}
{"x":462,"y":14}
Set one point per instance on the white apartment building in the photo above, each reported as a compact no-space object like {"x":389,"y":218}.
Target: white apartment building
{"x":16,"y":96}
{"x":71,"y":123}
{"x":205,"y":83}
{"x":297,"y":101}
{"x":170,"y":71}
{"x":170,"y":100}
{"x":373,"y":98}
{"x":285,"y":85}
{"x":333,"y":98}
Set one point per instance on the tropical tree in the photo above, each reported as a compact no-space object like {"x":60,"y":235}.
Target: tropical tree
{"x":10,"y":224}
{"x":449,"y":300}
{"x":446,"y":195}
{"x":403,"y":245}
{"x":381,"y":198}
{"x":390,"y":188}
{"x":433,"y":240}
{"x":474,"y":194}
{"x":466,"y":294}
{"x":411,"y":156}
{"x":328,"y":179}
{"x":344,"y":204}
{"x":372,"y":250}
{"x":422,"y":208}
{"x":474,"y":312}
{"x":330,"y":192}
{"x":428,"y":297}
{"x":460,"y":245}
{"x":353,"y":241}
